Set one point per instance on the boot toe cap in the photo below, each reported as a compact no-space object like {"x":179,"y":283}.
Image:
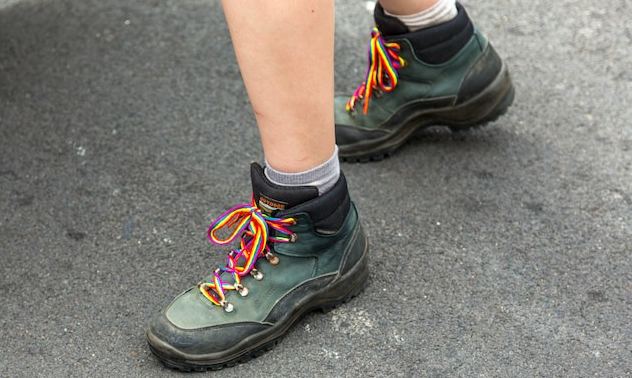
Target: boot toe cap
{"x":165,"y":336}
{"x":190,"y":326}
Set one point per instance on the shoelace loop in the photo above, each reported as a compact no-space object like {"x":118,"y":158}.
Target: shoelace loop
{"x":381,"y":74}
{"x":246,"y":221}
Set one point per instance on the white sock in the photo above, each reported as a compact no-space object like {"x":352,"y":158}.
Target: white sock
{"x":323,"y":176}
{"x":442,"y":11}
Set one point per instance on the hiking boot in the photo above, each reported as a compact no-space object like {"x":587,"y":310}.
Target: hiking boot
{"x":448,"y":74}
{"x":297,"y":252}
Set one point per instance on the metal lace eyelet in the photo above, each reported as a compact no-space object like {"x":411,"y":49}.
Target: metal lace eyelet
{"x":272,"y":258}
{"x":293,"y":238}
{"x":242,"y":290}
{"x":257,"y":275}
{"x":228,"y":307}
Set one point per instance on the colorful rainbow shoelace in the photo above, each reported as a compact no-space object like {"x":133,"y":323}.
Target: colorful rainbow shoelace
{"x":245,"y":221}
{"x":381,"y":75}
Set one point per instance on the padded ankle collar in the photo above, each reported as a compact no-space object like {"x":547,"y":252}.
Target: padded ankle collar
{"x":436,"y":44}
{"x":272,"y":197}
{"x":327,"y":211}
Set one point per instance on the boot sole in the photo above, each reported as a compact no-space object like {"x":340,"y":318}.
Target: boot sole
{"x":486,"y":107}
{"x":338,"y":292}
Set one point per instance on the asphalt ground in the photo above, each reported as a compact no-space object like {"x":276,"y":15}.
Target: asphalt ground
{"x":506,"y":251}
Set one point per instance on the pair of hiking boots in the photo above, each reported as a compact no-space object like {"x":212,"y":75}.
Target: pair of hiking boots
{"x":299,"y":251}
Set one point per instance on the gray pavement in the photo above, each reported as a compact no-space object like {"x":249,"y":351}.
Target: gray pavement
{"x":500,"y":252}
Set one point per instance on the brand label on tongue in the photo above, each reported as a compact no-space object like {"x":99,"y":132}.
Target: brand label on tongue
{"x":269,"y":205}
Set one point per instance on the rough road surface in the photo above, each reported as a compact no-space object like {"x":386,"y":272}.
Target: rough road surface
{"x":506,"y":251}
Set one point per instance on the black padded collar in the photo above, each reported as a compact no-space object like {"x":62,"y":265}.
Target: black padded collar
{"x":327,"y":211}
{"x":434,"y":45}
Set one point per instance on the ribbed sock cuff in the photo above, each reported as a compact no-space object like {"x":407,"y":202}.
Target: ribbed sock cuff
{"x":442,"y":11}
{"x":323,"y":176}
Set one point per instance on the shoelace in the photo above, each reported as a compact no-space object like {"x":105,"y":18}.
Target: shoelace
{"x":381,"y":75}
{"x":253,"y":227}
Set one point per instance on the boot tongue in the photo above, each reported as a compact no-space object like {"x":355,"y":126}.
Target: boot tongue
{"x":388,"y":25}
{"x":271,"y":197}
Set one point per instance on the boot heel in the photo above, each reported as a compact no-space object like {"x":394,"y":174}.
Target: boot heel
{"x":486,"y":107}
{"x":348,"y":286}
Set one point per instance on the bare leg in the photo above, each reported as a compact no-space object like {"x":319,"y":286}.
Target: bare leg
{"x":406,"y":6}
{"x":285,"y":52}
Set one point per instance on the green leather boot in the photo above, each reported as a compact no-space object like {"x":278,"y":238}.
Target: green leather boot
{"x":448,"y":75}
{"x":297,"y":252}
